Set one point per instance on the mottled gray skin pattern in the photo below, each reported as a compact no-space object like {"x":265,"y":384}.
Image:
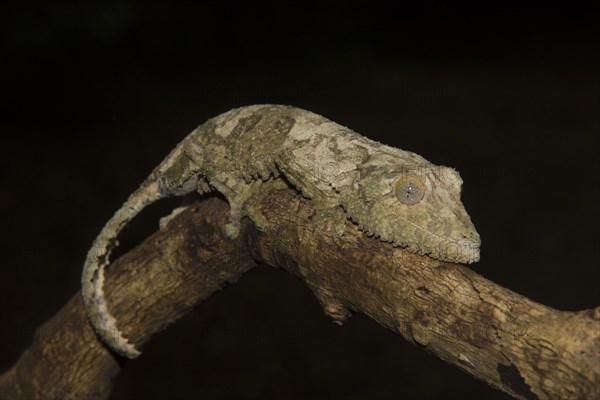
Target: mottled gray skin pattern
{"x":345,"y":174}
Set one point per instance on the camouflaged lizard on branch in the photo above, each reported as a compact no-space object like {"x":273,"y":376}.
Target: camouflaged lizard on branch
{"x":391,"y":194}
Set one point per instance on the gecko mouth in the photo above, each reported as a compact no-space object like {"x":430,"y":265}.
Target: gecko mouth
{"x":461,"y":250}
{"x":464,"y":250}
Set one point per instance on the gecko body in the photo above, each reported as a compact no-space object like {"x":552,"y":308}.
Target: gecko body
{"x":392,"y":194}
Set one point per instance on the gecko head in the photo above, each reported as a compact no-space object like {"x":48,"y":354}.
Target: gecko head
{"x":417,"y":207}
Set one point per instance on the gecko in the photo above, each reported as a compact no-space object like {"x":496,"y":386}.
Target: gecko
{"x":393,"y":195}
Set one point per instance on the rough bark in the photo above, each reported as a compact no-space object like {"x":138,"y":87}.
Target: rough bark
{"x":514,"y":344}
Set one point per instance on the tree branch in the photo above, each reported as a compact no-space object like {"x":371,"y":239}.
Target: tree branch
{"x":514,"y":344}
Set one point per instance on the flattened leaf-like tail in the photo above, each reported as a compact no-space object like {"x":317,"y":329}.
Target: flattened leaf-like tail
{"x":92,"y":280}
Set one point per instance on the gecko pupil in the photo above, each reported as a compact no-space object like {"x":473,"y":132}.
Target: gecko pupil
{"x":410,"y":190}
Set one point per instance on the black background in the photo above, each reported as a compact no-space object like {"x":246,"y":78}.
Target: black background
{"x":96,"y":93}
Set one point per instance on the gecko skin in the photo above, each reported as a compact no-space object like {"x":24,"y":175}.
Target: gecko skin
{"x":391,"y":194}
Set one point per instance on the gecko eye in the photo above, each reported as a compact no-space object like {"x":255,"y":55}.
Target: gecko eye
{"x":409,"y":189}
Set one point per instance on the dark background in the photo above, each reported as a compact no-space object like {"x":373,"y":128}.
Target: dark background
{"x":96,"y":93}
